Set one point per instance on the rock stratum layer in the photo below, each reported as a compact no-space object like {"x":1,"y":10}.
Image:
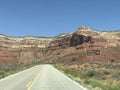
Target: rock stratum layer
{"x":25,"y":50}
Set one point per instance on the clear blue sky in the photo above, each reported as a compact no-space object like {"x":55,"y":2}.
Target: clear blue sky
{"x":53,"y":17}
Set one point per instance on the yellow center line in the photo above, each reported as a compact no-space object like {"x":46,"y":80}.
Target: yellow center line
{"x":30,"y":84}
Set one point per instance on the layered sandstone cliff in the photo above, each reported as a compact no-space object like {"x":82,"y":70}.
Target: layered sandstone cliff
{"x":23,"y":50}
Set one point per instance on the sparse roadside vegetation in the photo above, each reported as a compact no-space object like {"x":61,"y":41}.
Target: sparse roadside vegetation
{"x":96,"y":76}
{"x":4,"y":72}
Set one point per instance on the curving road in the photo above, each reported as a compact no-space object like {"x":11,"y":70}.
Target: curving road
{"x":41,"y":77}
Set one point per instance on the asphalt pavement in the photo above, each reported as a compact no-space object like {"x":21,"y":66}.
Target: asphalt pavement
{"x":40,"y":77}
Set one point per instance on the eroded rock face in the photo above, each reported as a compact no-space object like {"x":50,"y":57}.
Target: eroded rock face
{"x":27,"y":49}
{"x":78,"y":39}
{"x":16,"y":50}
{"x":72,"y":39}
{"x":61,"y":41}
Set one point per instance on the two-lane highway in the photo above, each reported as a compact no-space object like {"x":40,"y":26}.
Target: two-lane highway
{"x":41,"y":77}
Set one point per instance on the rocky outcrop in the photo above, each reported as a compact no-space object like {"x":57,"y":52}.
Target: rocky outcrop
{"x":86,"y":35}
{"x":61,"y":41}
{"x":27,"y":49}
{"x":25,"y":42}
{"x":24,"y":49}
{"x":78,"y":39}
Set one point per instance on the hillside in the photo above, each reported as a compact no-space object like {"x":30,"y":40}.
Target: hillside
{"x":71,"y":53}
{"x":16,"y":51}
{"x":84,"y":39}
{"x":24,"y":50}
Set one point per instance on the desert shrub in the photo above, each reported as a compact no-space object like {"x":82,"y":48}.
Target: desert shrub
{"x":113,"y":86}
{"x":105,"y":72}
{"x":95,"y":83}
{"x":116,"y":75}
{"x":73,"y":59}
{"x":116,"y":66}
{"x":108,"y":66}
{"x":90,"y":73}
{"x":71,"y":72}
{"x":2,"y":73}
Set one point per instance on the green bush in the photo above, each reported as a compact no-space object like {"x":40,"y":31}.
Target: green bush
{"x":105,"y":72}
{"x":90,"y":73}
{"x":2,"y":73}
{"x":93,"y":82}
{"x":72,"y":72}
{"x":96,"y":83}
{"x":73,"y":59}
{"x":116,"y":75}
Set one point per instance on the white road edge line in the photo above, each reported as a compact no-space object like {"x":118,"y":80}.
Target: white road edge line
{"x":71,"y":80}
{"x":13,"y":75}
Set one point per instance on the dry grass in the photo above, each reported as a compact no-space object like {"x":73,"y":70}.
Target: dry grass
{"x":105,"y":76}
